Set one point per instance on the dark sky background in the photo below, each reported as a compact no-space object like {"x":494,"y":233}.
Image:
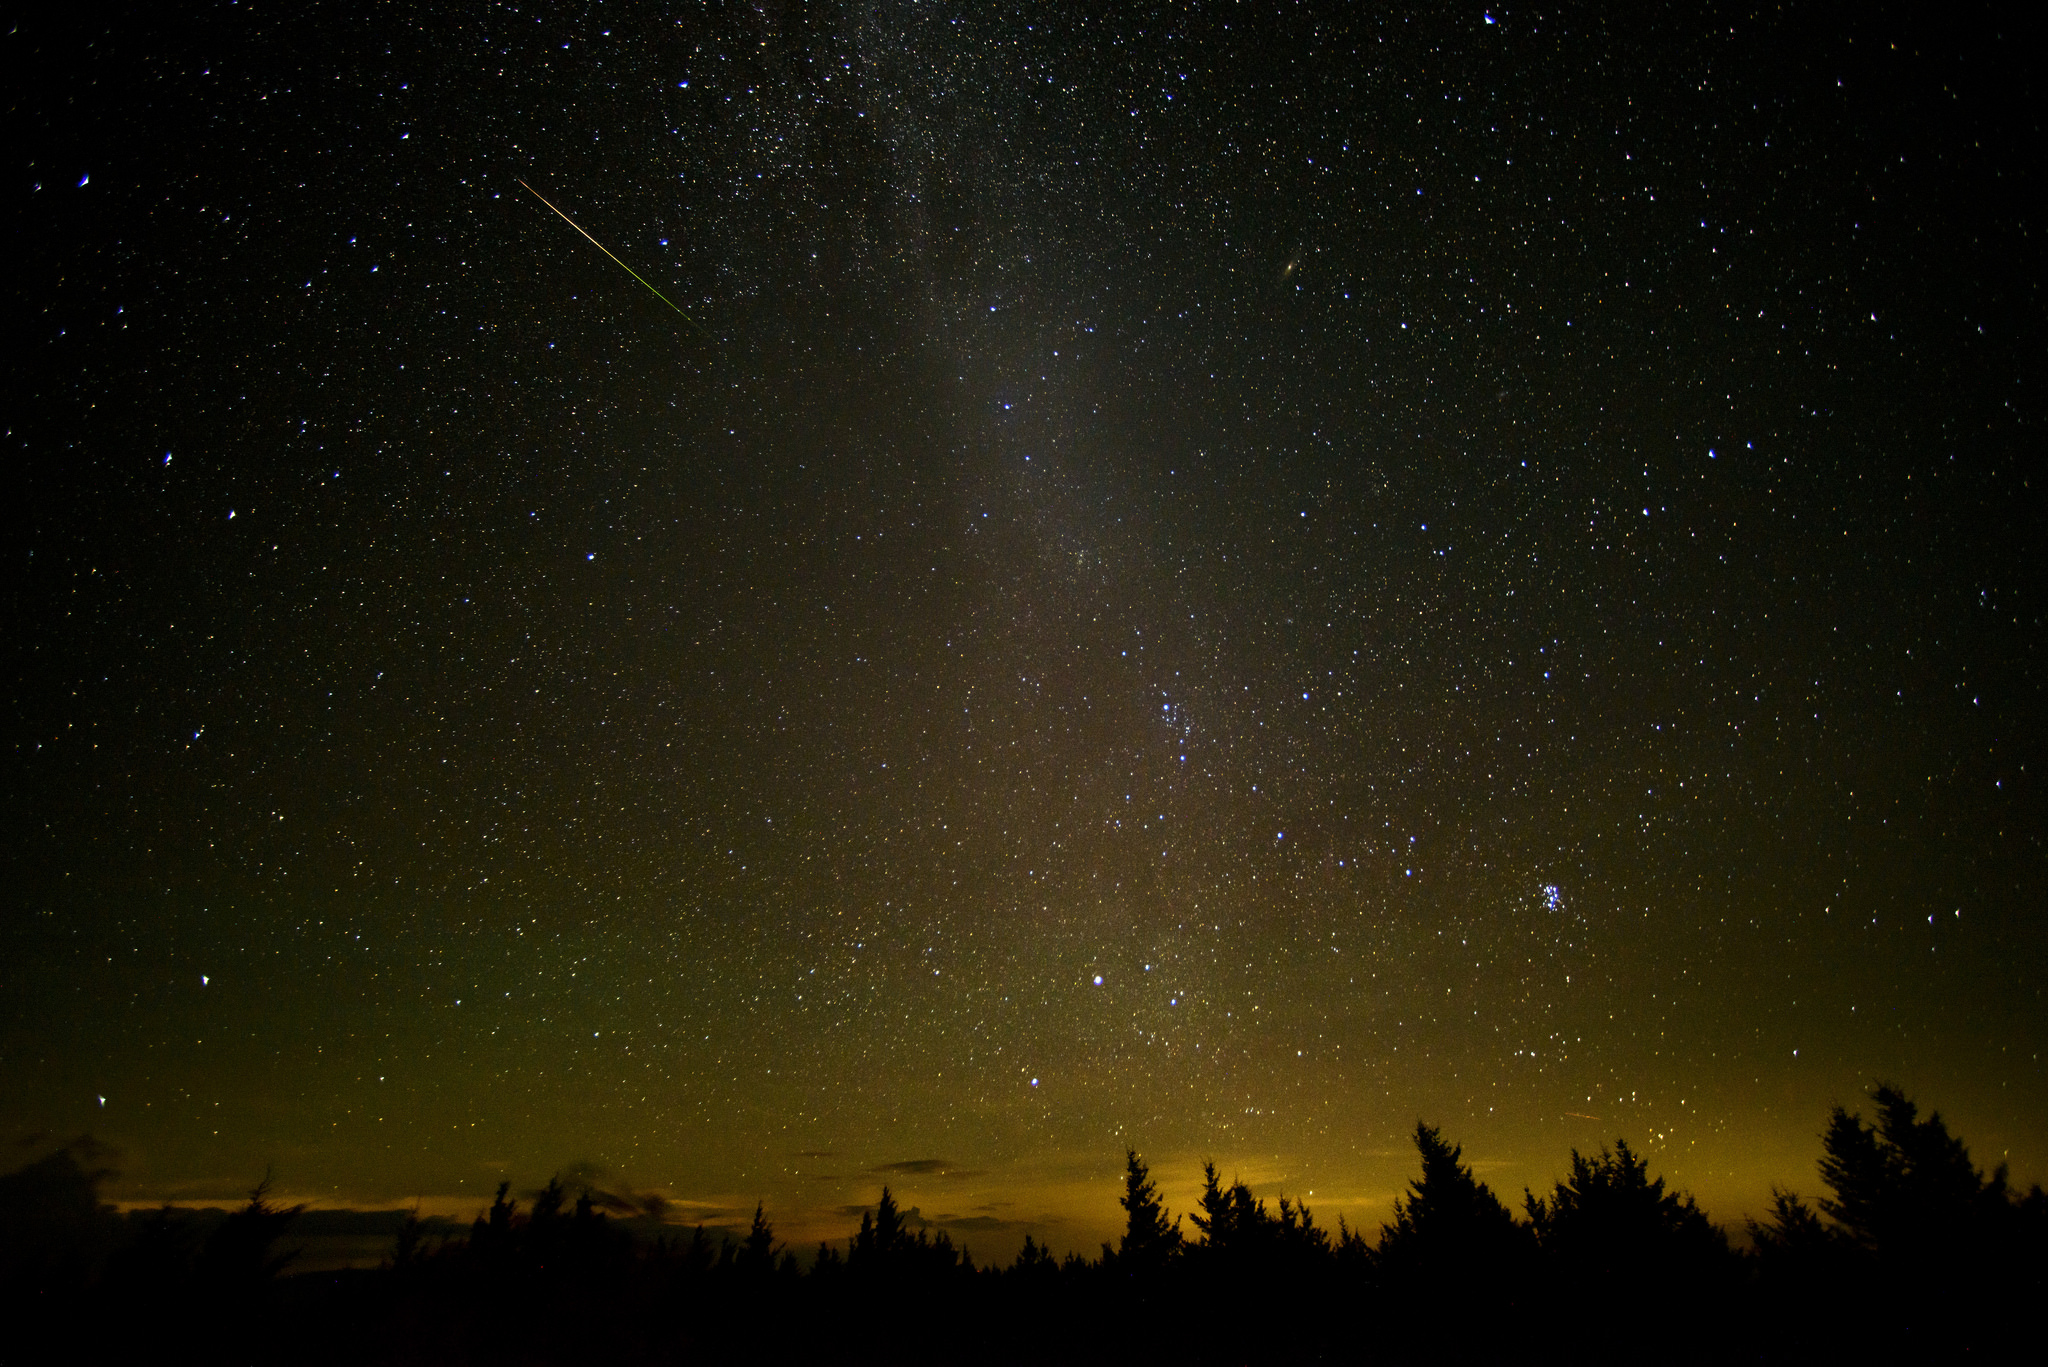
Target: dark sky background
{"x":1218,"y":578}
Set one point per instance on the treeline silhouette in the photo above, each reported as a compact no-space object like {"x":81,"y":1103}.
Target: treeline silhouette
{"x":1912,"y":1253}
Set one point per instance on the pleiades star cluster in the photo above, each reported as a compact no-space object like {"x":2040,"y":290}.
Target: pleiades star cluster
{"x":1217,"y":578}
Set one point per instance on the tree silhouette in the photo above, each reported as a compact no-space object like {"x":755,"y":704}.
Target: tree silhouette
{"x":1793,"y":1232}
{"x":1034,"y":1262}
{"x":882,"y":1238}
{"x":698,"y":1257}
{"x":1802,"y":1261}
{"x":547,"y":1205}
{"x":828,"y":1263}
{"x":53,"y":1227}
{"x":1231,"y":1221}
{"x":239,"y":1256}
{"x":1914,"y":1233}
{"x":406,"y":1245}
{"x":1352,"y":1252}
{"x":1904,"y":1254}
{"x":757,"y":1250}
{"x":1611,"y":1217}
{"x":885,"y":1247}
{"x":1661,"y":1264}
{"x":1148,"y":1242}
{"x":1454,"y":1259}
{"x":1903,"y":1185}
{"x":491,"y":1235}
{"x":1450,"y":1225}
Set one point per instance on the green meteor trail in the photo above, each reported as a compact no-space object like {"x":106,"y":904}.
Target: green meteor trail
{"x":607,"y":251}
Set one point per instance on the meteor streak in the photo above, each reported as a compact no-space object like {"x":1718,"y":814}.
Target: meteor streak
{"x":607,"y":251}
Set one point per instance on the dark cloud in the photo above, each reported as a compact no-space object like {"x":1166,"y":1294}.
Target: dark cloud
{"x":927,"y":1167}
{"x":342,"y":1224}
{"x":914,"y":1165}
{"x":612,"y":1196}
{"x":615,"y":1204}
{"x":981,"y":1224}
{"x":51,"y":1214}
{"x":700,"y":1212}
{"x":912,"y":1218}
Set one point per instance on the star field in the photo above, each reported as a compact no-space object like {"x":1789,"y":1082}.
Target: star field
{"x":1204,"y":578}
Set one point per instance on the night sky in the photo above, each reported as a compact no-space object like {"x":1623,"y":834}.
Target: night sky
{"x":1218,"y":579}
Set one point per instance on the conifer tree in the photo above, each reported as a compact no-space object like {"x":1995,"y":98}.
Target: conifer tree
{"x":1611,"y":1217}
{"x":1034,"y":1260}
{"x":1235,"y":1224}
{"x":890,"y":1235}
{"x":1148,"y":1242}
{"x":882,"y":1240}
{"x":1297,"y":1234}
{"x":1212,"y":1213}
{"x":1903,"y":1183}
{"x":238,"y":1255}
{"x":757,"y":1250}
{"x":1449,"y":1221}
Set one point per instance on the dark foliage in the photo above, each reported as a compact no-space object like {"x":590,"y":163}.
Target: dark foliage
{"x":1904,"y":1188}
{"x":1450,"y":1225}
{"x":53,"y":1228}
{"x":1909,"y":1240}
{"x":757,"y":1250}
{"x":1663,"y":1268}
{"x":1611,"y":1220}
{"x":1454,"y":1254}
{"x":1897,"y":1260}
{"x":240,"y":1256}
{"x":1149,"y":1242}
